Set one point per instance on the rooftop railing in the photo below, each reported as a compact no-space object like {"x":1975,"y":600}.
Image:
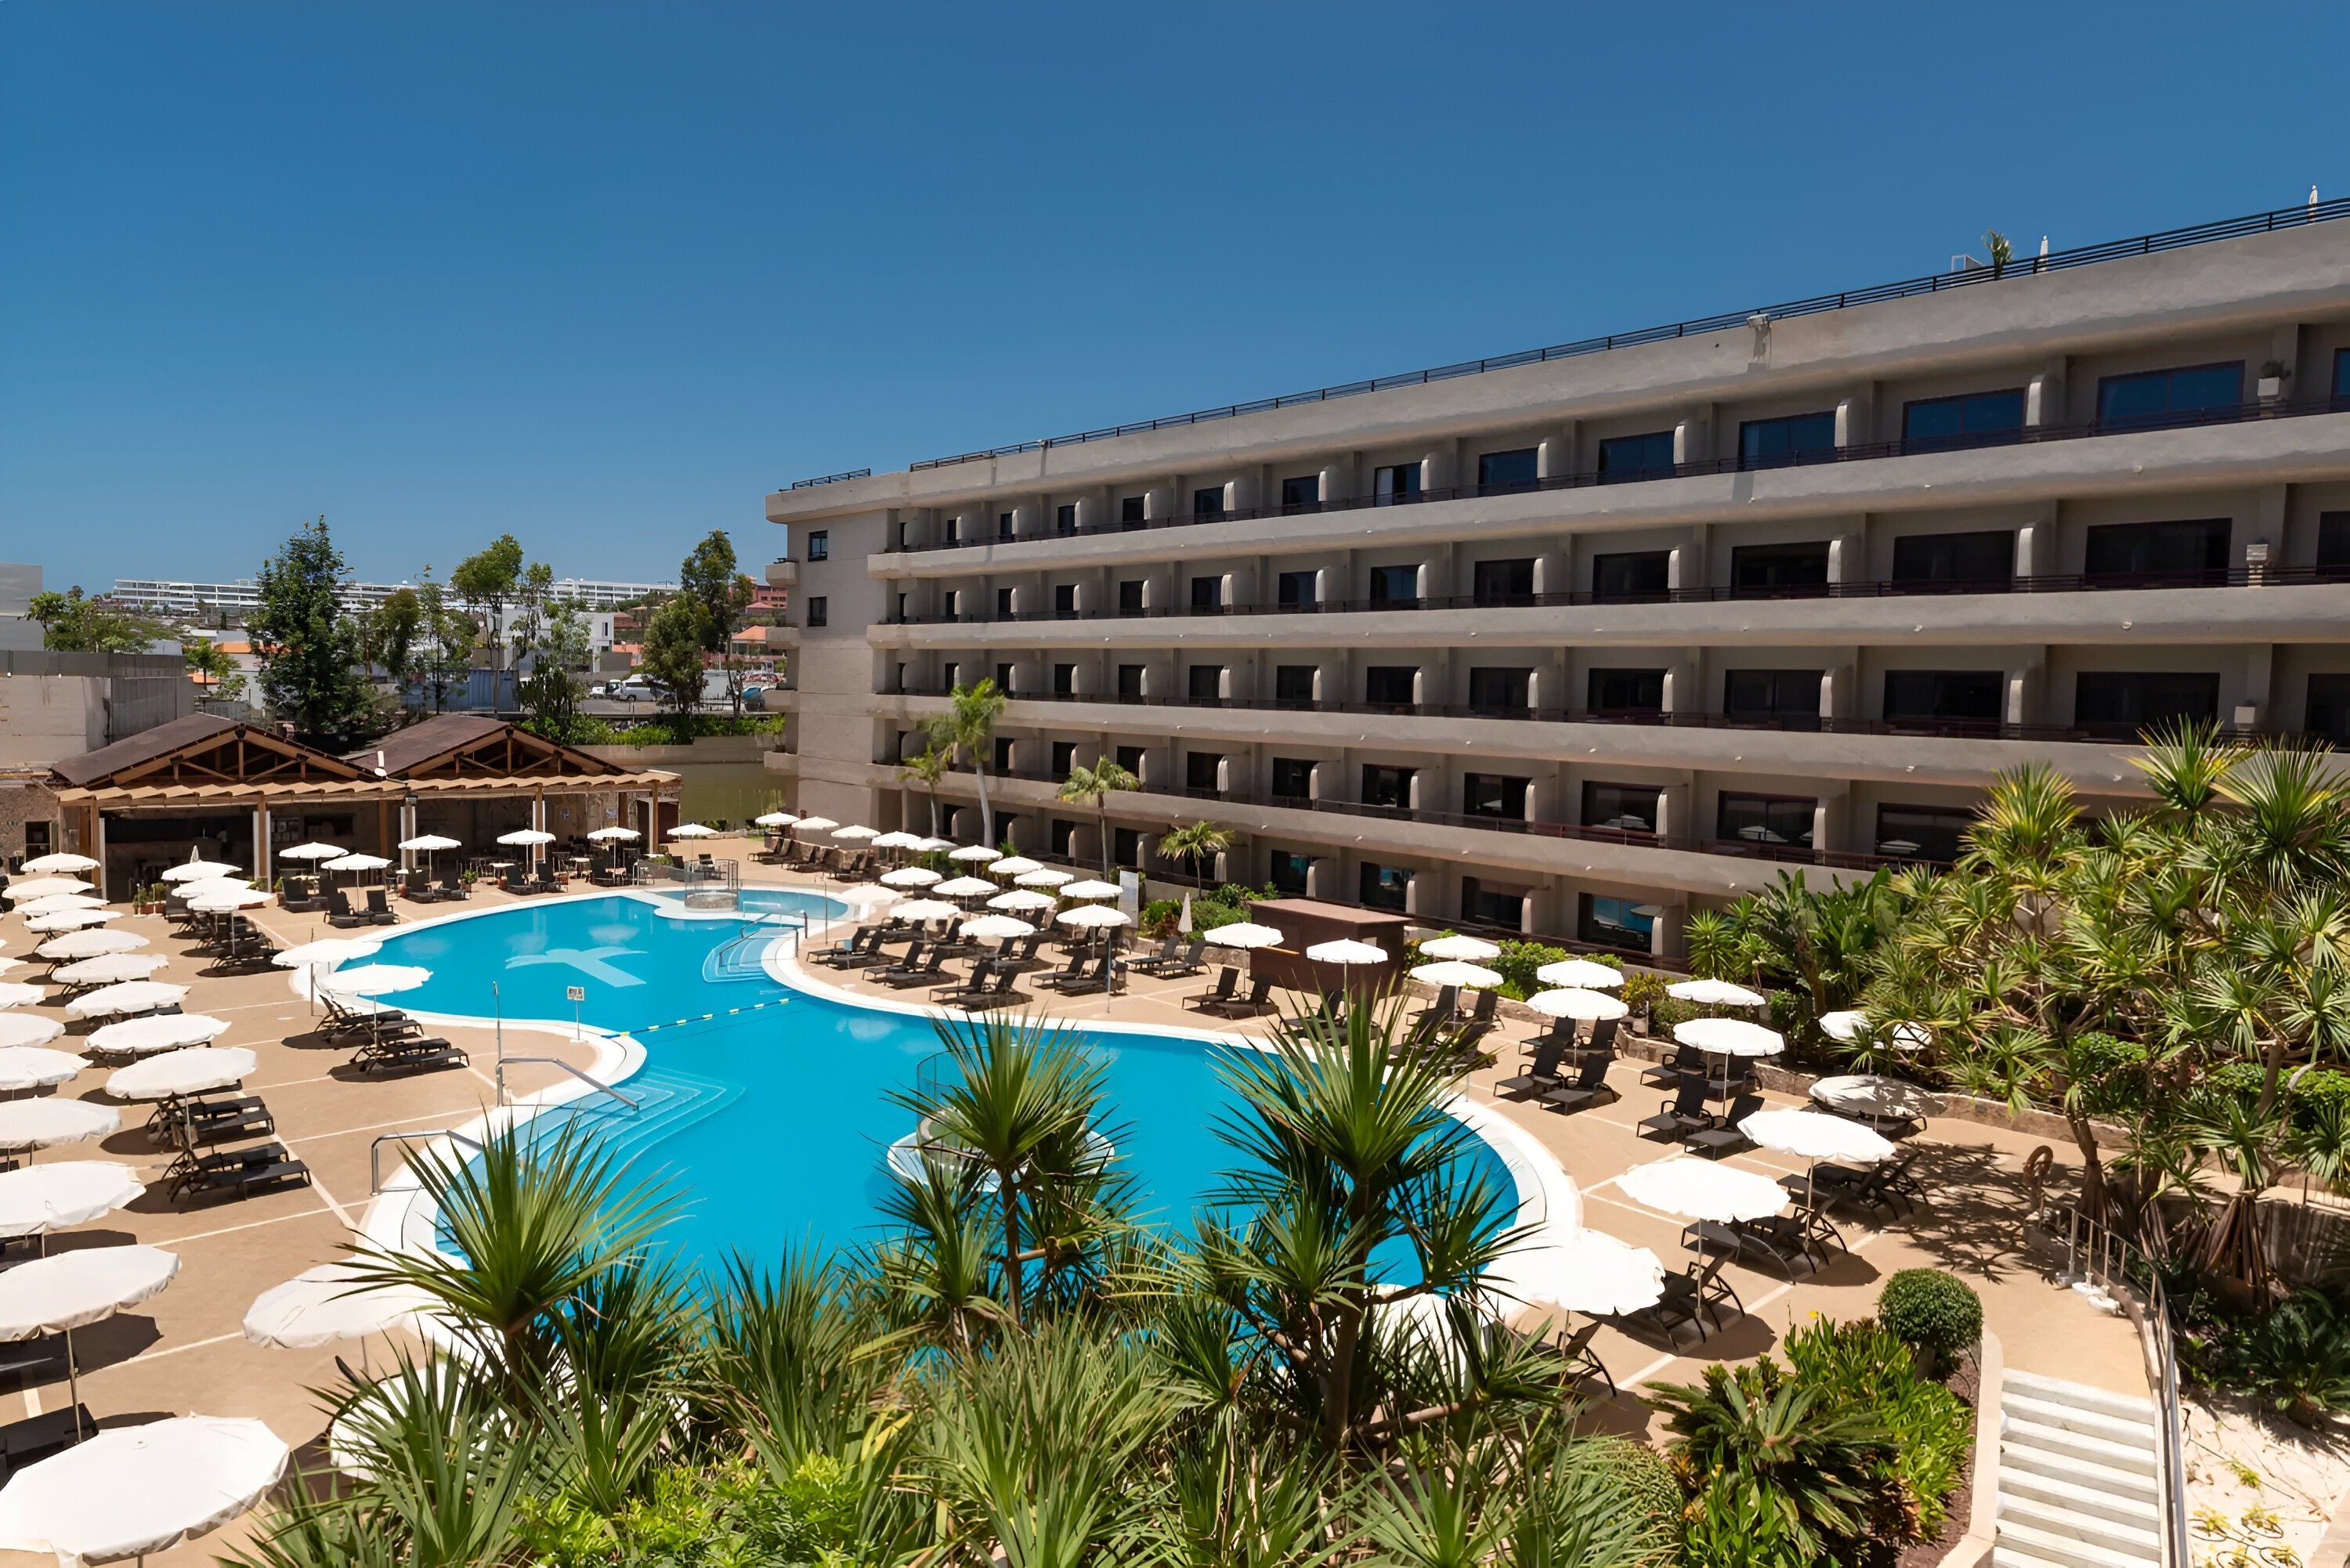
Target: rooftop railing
{"x":1932,"y":282}
{"x":832,"y":478}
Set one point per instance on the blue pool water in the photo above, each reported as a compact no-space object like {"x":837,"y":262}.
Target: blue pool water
{"x":769,"y":1108}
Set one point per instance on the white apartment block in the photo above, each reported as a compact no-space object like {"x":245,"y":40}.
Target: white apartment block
{"x":236,"y":600}
{"x":1573,"y":641}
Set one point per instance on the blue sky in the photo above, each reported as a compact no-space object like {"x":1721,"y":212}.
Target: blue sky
{"x":603,"y":275}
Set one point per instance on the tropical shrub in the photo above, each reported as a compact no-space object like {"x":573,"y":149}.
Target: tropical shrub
{"x":1518,"y":961}
{"x":1644,"y":992}
{"x":2296,"y":1356}
{"x":1929,"y":1308}
{"x":1864,"y":1365}
{"x":1651,"y":1489}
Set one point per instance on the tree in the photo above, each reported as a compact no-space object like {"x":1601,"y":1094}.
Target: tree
{"x":488,"y":579}
{"x":674,"y":639}
{"x":926,"y":768}
{"x":203,"y":656}
{"x":309,"y":674}
{"x":969,"y":726}
{"x":552,"y":691}
{"x":441,"y":650}
{"x":1093,"y":786}
{"x":533,"y":596}
{"x":710,"y":577}
{"x":392,"y":631}
{"x":1198,"y":843}
{"x":71,"y":623}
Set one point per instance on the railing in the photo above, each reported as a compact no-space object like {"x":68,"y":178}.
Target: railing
{"x":375,"y":1150}
{"x":2095,"y":1251}
{"x":832,"y":478}
{"x":1932,"y":282}
{"x":597,"y":1085}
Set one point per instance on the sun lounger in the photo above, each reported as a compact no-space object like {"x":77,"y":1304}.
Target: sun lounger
{"x":36,"y":1438}
{"x":1690,"y":1297}
{"x":340,"y":912}
{"x":1588,"y":1088}
{"x":1247,"y":1006}
{"x":409,"y":1053}
{"x":380,"y":911}
{"x":1683,"y":1114}
{"x":915,"y":971}
{"x":1218,"y":993}
{"x":1723,"y":1136}
{"x":1107,"y":973}
{"x":1541,"y":1076}
{"x":862,"y":947}
{"x":1666,"y":1075}
{"x":993,"y":990}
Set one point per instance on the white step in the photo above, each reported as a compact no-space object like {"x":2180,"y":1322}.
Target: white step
{"x":2138,"y":1488}
{"x":2104,"y":1401}
{"x":2116,"y":1429}
{"x":2060,"y":1519}
{"x":2047,"y":1492}
{"x":2068,"y":1551}
{"x":2014,"y":1557}
{"x":2063,"y":1440}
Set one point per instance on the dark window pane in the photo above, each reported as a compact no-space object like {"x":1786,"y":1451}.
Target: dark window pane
{"x":1628,"y":691}
{"x":1130,"y":759}
{"x":1208,"y":501}
{"x":1004,"y":679}
{"x":1301,"y":493}
{"x":1129,"y":680}
{"x":1064,"y":834}
{"x":1065,"y":598}
{"x":1126,"y":846}
{"x":2334,"y":542}
{"x":2134,"y":551}
{"x":1064,"y":517}
{"x":1206,"y":683}
{"x":2341,"y":372}
{"x":1293,"y":777}
{"x":1922,"y":831}
{"x":2160,"y":397}
{"x":1507,"y":470}
{"x":1065,"y":679}
{"x":1294,"y":682}
{"x":2118,"y":704}
{"x":1002,"y":761}
{"x":1064,"y":756}
{"x":819,"y":609}
{"x":820,"y":544}
{"x":1763,"y":443}
{"x":1491,"y":794}
{"x":2329,"y":708}
{"x":1208,"y":593}
{"x":1974,"y":418}
{"x":1630,"y":807}
{"x":1987,"y":556}
{"x":1129,"y":511}
{"x":1499,"y":690}
{"x":1398,"y":482}
{"x":1634,"y":574}
{"x":1787,"y":697}
{"x":1491,"y":906}
{"x":1778,"y":569}
{"x":1384,"y":786}
{"x":1390,"y":683}
{"x":1615,"y":923}
{"x":1004,"y":603}
{"x":1129,"y":596}
{"x":1288,"y":870}
{"x":1200,"y":770}
{"x":1647,"y":456}
{"x":1972,"y":696}
{"x":1298,"y":590}
{"x":1501,"y":582}
{"x":1004,"y":525}
{"x":1763,"y":819}
{"x":1385,"y":887}
{"x":1390,"y":584}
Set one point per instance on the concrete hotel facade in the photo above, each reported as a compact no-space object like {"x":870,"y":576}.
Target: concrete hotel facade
{"x":1574,"y":644}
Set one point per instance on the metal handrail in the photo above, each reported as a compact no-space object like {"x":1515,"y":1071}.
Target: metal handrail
{"x":596,"y":1083}
{"x":1932,"y":282}
{"x":375,"y":1150}
{"x":2095,"y":1251}
{"x":832,"y":478}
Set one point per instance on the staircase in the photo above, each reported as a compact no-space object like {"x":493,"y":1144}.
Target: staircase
{"x":2078,"y":1478}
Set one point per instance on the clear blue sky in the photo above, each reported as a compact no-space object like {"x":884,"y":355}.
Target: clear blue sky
{"x":602,"y":275}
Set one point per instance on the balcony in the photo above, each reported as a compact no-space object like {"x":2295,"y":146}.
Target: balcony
{"x":782,"y":574}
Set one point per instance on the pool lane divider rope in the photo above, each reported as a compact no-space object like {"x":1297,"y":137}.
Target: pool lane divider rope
{"x":730,"y":1012}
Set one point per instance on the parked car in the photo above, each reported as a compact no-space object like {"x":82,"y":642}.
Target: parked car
{"x":635,"y":689}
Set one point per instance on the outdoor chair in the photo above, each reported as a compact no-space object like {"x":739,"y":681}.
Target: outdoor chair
{"x":1249,"y":1006}
{"x":912,"y":960}
{"x":1174,"y":965}
{"x":1020,"y":952}
{"x":1723,"y":1136}
{"x":1589,"y":1088}
{"x":340,"y":913}
{"x":913,"y":972}
{"x":1603,"y":1036}
{"x":242,"y":1171}
{"x":1217,"y":994}
{"x":1479,"y":1021}
{"x":1689,"y":1297}
{"x":36,"y":1438}
{"x":1540,"y":1076}
{"x":1165,"y":954}
{"x":380,"y":911}
{"x":409,"y":1053}
{"x":1068,"y":971}
{"x":1106,"y":973}
{"x":861,"y":943}
{"x":516,"y":881}
{"x":995,"y":989}
{"x":542,"y":879}
{"x":1577,"y":1360}
{"x":1435,"y":1018}
{"x":1683,"y":1114}
{"x":452,"y":885}
{"x":1665,"y":1075}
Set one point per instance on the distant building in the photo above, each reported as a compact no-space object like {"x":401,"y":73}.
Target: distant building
{"x":211,"y":601}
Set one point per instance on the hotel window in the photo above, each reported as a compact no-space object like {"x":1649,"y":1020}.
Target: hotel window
{"x":954,"y":529}
{"x":1064,"y":834}
{"x":954,"y":604}
{"x":2123,"y":553}
{"x":1130,"y":510}
{"x":1129,"y":596}
{"x":1790,"y":698}
{"x":819,"y":611}
{"x":2329,"y":708}
{"x":1064,"y":757}
{"x":1394,"y":585}
{"x":1617,"y":923}
{"x":1065,"y":680}
{"x":902,"y":606}
{"x":1301,"y":493}
{"x":1508,"y":471}
{"x":1944,"y":696}
{"x":1922,"y":831}
{"x":1391,"y":685}
{"x":2333,"y":544}
{"x":1126,"y":846}
{"x":1293,"y":682}
{"x":1485,"y":905}
{"x":1987,"y":556}
{"x":2157,"y":398}
{"x":1387,"y":786}
{"x":1130,"y":680}
{"x":1293,"y":778}
{"x":1499,"y":690}
{"x":1769,"y":569}
{"x":1627,"y":808}
{"x":948,"y":673}
{"x":2119,"y":704}
{"x":820,"y":544}
{"x":1064,"y":599}
{"x":1627,"y":692}
{"x":1004,"y":679}
{"x":1064,"y":517}
{"x":1298,"y":590}
{"x":1385,"y":887}
{"x":2341,"y":377}
{"x":1208,"y":593}
{"x":1491,"y":795}
{"x":1634,"y":574}
{"x":1004,"y":525}
{"x":1397,"y":481}
{"x":1972,"y":419}
{"x":1289,"y":869}
{"x":1003,"y":758}
{"x":1130,"y":759}
{"x":1003,"y":833}
{"x":1208,"y":501}
{"x":1504,"y":582}
{"x":1791,"y":438}
{"x":1206,"y":682}
{"x":1201,"y":769}
{"x":1763,"y":819}
{"x":1004,"y":603}
{"x":1648,"y":456}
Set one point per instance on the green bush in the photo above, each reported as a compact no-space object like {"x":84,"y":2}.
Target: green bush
{"x":1517,"y":964}
{"x":1644,"y":991}
{"x":1649,"y":1488}
{"x":1865,"y":1366}
{"x":1927,"y":1307}
{"x":2296,"y":1356}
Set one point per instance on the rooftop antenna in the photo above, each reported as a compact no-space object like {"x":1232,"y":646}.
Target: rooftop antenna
{"x":2313,"y":198}
{"x":1761,"y":322}
{"x":2043,"y":244}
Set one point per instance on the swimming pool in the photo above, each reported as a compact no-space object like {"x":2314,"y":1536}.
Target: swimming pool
{"x":766,"y":1106}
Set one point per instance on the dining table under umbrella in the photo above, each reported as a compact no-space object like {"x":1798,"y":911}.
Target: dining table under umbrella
{"x":769,"y":819}
{"x":176,"y":1075}
{"x":613,"y":835}
{"x":66,"y":1291}
{"x":48,"y":1121}
{"x":996,"y":928}
{"x":110,"y":969}
{"x":429,"y":844}
{"x":855,"y":832}
{"x":1014,"y":865}
{"x":94,"y":943}
{"x":1092,"y":917}
{"x":1586,"y":1271}
{"x":1043,"y":877}
{"x":327,"y":951}
{"x":36,"y":1199}
{"x":696,"y":830}
{"x":132,"y":1491}
{"x":155,"y":1033}
{"x":132,"y":996}
{"x":1812,"y":1136}
{"x":922,"y":911}
{"x":59,"y":863}
{"x":965,"y":888}
{"x":1455,"y":972}
{"x":898,"y":838}
{"x":814,"y":825}
{"x":37,"y":1067}
{"x":313,"y":851}
{"x":1244,"y":935}
{"x":56,"y":903}
{"x":28,"y":1029}
{"x":1728,"y":1038}
{"x":1585,"y":974}
{"x":1850,"y":1026}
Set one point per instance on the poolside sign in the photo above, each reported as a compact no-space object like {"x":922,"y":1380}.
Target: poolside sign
{"x":575,"y":995}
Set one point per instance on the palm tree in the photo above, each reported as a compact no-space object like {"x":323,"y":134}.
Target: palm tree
{"x":1198,"y":843}
{"x":969,"y":726}
{"x":1093,"y":786}
{"x":926,"y":769}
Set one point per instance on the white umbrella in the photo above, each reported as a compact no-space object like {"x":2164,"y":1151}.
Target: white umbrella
{"x":313,"y":852}
{"x":1730,"y":1037}
{"x":609,"y":834}
{"x":1701,"y":1189}
{"x":53,"y":903}
{"x":8,"y":963}
{"x":925,"y":909}
{"x":430,"y":843}
{"x":965,"y":888}
{"x":61,"y":1294}
{"x":1090,"y":887}
{"x":64,"y":863}
{"x":1347,"y":951}
{"x":899,"y":840}
{"x":36,"y":1199}
{"x":108,"y":968}
{"x":32,"y":1067}
{"x":525,"y":837}
{"x":1014,"y":865}
{"x":1472,"y":977}
{"x":1590,"y":1271}
{"x":210,"y":900}
{"x":1094,"y":917}
{"x":696,"y":830}
{"x":806,"y":825}
{"x":768,"y":819}
{"x":996,"y":927}
{"x":328,"y":950}
{"x":28,"y":1029}
{"x":1851,"y":1024}
{"x":871,"y":893}
{"x":1023,"y":898}
{"x":1573,"y":1001}
{"x":911,"y":876}
{"x":157,"y":1031}
{"x":1713,"y":993}
{"x":1583,"y":973}
{"x":204,"y":870}
{"x":71,"y":919}
{"x":88,"y":944}
{"x":1043,"y":877}
{"x":1870,"y":1094}
{"x":331,"y":1301}
{"x":356,"y":863}
{"x":1468,"y":949}
{"x":1808,"y":1135}
{"x":131,"y":996}
{"x":32,"y":887}
{"x":15,"y":993}
{"x":131,"y":1490}
{"x":975,"y":854}
{"x":1183,"y":920}
{"x":375,"y":978}
{"x":1242,"y":934}
{"x":45,"y":1123}
{"x":857,"y":830}
{"x":193,"y":1071}
{"x":934,"y":846}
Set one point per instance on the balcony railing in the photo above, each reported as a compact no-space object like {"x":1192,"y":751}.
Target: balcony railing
{"x":1895,"y":588}
{"x":1932,"y":282}
{"x":832,"y":478}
